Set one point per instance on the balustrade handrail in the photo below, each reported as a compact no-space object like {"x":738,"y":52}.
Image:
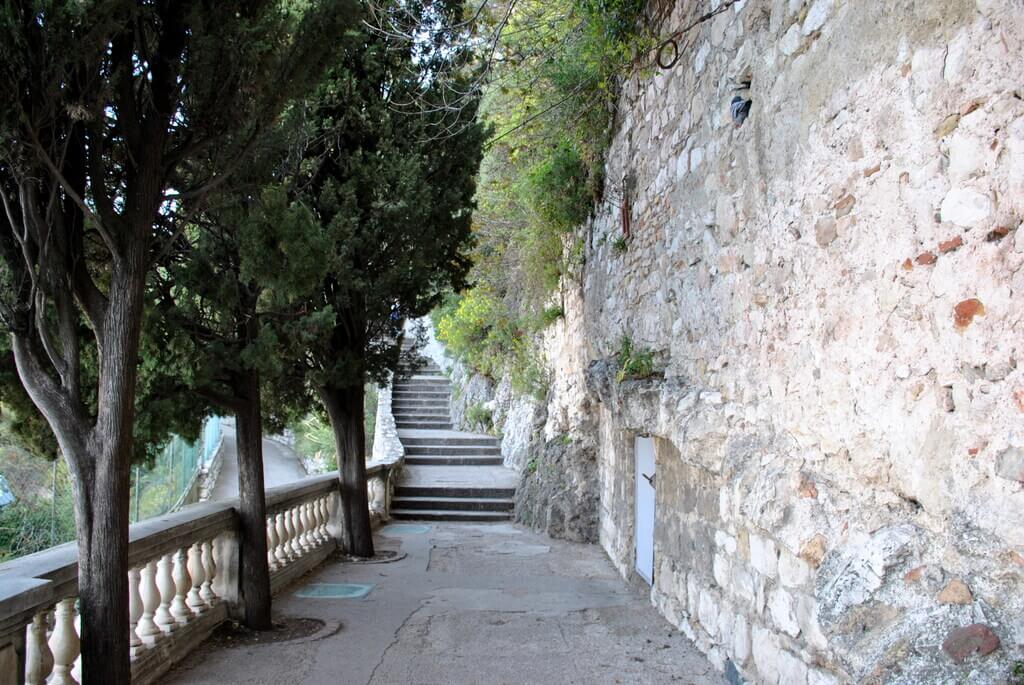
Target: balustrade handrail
{"x":301,"y":520}
{"x":52,"y":573}
{"x":182,"y":572}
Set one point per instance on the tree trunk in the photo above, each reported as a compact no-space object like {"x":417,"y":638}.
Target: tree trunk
{"x":101,"y":514}
{"x":345,"y":409}
{"x":252,"y":505}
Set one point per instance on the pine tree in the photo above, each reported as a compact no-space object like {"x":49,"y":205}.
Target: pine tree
{"x":221,"y":313}
{"x":389,"y":174}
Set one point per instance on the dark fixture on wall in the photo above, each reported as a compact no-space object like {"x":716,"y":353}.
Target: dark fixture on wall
{"x":739,"y":109}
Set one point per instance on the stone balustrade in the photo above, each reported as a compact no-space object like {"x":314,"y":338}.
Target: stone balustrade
{"x":183,"y":579}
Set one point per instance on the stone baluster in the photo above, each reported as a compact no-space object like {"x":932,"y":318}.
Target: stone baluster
{"x":76,"y":670}
{"x":325,"y":516}
{"x":64,"y":643}
{"x":289,"y":527}
{"x":165,"y":583}
{"x":182,"y":584}
{"x":194,"y":600}
{"x":272,"y":543}
{"x":294,"y":548}
{"x":296,"y":531}
{"x":38,"y":657}
{"x":375,"y":494}
{"x":135,"y":610}
{"x":284,"y":549}
{"x":147,"y":629}
{"x":308,"y":541}
{"x":318,"y":521}
{"x":210,"y":572}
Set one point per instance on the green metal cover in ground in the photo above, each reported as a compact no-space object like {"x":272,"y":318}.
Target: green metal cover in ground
{"x":335,"y":590}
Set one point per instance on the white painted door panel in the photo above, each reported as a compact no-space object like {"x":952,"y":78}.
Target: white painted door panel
{"x":644,"y":448}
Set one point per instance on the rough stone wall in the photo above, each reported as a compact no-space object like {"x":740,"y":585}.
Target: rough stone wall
{"x":557,"y":492}
{"x":836,"y":293}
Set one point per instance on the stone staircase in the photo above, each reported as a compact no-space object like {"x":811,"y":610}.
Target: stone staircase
{"x":449,"y":475}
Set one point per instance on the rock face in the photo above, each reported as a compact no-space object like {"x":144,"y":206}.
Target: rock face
{"x":834,"y":290}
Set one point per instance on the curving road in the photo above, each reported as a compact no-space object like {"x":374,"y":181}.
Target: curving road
{"x":280,"y":465}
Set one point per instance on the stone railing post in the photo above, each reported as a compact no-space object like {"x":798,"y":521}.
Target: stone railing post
{"x":224,"y":571}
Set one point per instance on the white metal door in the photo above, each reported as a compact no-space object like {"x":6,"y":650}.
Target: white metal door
{"x":645,"y":480}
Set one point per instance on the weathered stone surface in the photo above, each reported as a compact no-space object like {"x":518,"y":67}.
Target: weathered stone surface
{"x":764,"y":556}
{"x":558,"y":492}
{"x":825,"y":231}
{"x":975,"y":639}
{"x":955,"y":592}
{"x":772,"y":275}
{"x":1010,"y":464}
{"x":816,"y":16}
{"x":966,"y":207}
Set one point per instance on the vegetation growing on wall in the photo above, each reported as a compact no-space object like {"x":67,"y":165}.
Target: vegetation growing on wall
{"x":550,"y":104}
{"x":633,"y":362}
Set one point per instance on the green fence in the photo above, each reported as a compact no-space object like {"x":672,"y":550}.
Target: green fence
{"x":158,"y":489}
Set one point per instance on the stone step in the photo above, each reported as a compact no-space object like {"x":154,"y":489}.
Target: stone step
{"x":435,"y":401}
{"x":421,"y":381}
{"x":430,"y":460}
{"x":420,"y":394}
{"x":422,"y":425}
{"x":454,"y":491}
{"x":429,"y":411}
{"x":454,"y":503}
{"x":460,"y":441}
{"x":420,"y":409}
{"x":449,"y":515}
{"x":453,"y":450}
{"x":421,"y":369}
{"x":405,"y":418}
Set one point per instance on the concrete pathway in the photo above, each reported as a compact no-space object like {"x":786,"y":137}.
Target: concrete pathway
{"x":487,"y":604}
{"x":280,"y":465}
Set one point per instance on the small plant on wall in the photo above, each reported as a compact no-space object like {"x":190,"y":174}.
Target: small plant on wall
{"x":633,"y":362}
{"x":480,"y":418}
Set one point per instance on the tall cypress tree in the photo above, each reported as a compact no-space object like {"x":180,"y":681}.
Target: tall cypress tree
{"x":389,"y":174}
{"x":222,"y":308}
{"x":107,"y":104}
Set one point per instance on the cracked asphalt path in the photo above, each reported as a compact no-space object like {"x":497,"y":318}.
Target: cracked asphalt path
{"x":481,"y":604}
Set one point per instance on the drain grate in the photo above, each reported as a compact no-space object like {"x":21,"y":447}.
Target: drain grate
{"x":405,"y":529}
{"x":335,"y":591}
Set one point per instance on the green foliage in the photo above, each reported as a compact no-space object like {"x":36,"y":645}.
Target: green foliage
{"x":480,"y":417}
{"x":551,"y":104}
{"x":633,"y":362}
{"x":549,"y":316}
{"x":476,"y":332}
{"x":531,"y":466}
{"x":558,"y":182}
{"x":28,"y":526}
{"x":479,"y":332}
{"x":390,"y":177}
{"x":1016,"y":673}
{"x":620,"y":245}
{"x":314,"y":438}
